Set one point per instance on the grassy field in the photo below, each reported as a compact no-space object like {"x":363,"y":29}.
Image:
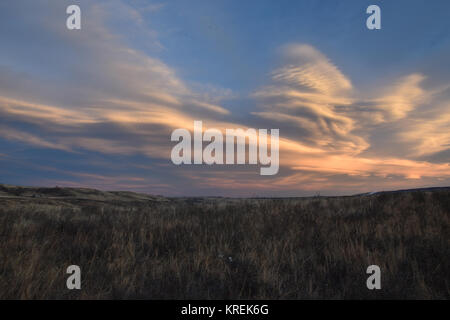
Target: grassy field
{"x":132,"y":246}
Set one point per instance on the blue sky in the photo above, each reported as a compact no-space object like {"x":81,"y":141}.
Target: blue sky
{"x":357,"y":109}
{"x":231,"y":31}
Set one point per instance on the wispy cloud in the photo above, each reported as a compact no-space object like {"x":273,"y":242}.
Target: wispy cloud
{"x":94,"y":92}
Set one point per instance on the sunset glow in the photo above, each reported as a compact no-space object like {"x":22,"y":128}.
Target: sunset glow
{"x":357,"y":110}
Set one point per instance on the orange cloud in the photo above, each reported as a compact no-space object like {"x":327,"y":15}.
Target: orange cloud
{"x":131,"y":102}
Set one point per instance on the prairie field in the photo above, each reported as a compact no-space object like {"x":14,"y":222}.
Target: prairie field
{"x":134,"y":246}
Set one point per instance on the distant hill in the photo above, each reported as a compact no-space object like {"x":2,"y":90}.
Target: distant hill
{"x":7,"y":191}
{"x":407,"y":190}
{"x":63,"y":193}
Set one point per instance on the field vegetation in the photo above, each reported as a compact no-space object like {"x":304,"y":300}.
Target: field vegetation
{"x":133,"y":246}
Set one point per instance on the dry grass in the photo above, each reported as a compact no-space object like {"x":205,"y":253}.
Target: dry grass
{"x":279,"y":248}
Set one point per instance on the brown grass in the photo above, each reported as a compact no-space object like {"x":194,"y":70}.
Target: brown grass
{"x":180,"y":249}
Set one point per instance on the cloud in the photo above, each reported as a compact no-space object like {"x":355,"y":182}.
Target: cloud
{"x":95,"y":92}
{"x":116,"y":95}
{"x":428,"y":137}
{"x":330,"y":126}
{"x":309,"y":68}
{"x":305,"y":95}
{"x":394,"y":102}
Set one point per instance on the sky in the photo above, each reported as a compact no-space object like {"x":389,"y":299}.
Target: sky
{"x":358,"y":110}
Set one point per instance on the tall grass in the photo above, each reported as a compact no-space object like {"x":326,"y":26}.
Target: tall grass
{"x":228,"y":248}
